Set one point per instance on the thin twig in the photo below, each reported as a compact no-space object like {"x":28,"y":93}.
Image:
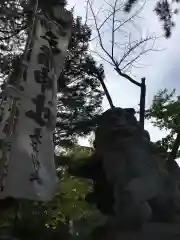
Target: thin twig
{"x":131,"y":47}
{"x":101,"y":80}
{"x":135,"y":58}
{"x":130,"y":18}
{"x":86,"y":15}
{"x":98,"y":31}
{"x":103,"y":58}
{"x":113,"y":28}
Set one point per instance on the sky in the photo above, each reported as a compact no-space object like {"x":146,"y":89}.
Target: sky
{"x":161,"y":67}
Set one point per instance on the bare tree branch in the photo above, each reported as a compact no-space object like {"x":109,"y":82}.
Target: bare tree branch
{"x":113,"y":28}
{"x":86,"y":15}
{"x":103,"y":58}
{"x":119,"y":47}
{"x":132,"y":46}
{"x":98,"y":30}
{"x":127,"y":77}
{"x":135,"y":58}
{"x":107,"y":93}
{"x":130,"y":18}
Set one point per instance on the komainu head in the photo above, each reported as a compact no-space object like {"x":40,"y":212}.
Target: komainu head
{"x":116,"y":125}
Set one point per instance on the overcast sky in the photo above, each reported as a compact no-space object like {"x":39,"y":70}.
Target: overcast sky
{"x":161,"y":70}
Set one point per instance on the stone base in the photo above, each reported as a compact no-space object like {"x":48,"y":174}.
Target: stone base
{"x":151,"y":231}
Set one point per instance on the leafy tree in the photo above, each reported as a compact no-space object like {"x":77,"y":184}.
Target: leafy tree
{"x":164,"y":9}
{"x":34,"y":220}
{"x":164,"y":114}
{"x":86,"y":216}
{"x":80,"y":96}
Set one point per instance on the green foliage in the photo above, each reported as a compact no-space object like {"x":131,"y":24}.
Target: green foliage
{"x":165,"y":11}
{"x":71,"y":195}
{"x":90,"y":168}
{"x":164,"y":110}
{"x":87,"y":216}
{"x":51,"y":220}
{"x":164,"y":114}
{"x":80,"y":96}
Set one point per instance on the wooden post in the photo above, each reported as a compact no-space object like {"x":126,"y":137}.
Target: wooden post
{"x":142,"y":102}
{"x":174,"y":151}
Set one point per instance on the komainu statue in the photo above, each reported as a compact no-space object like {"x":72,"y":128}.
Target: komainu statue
{"x":133,"y":182}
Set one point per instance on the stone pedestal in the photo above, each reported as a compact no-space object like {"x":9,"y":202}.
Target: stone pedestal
{"x":151,"y":231}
